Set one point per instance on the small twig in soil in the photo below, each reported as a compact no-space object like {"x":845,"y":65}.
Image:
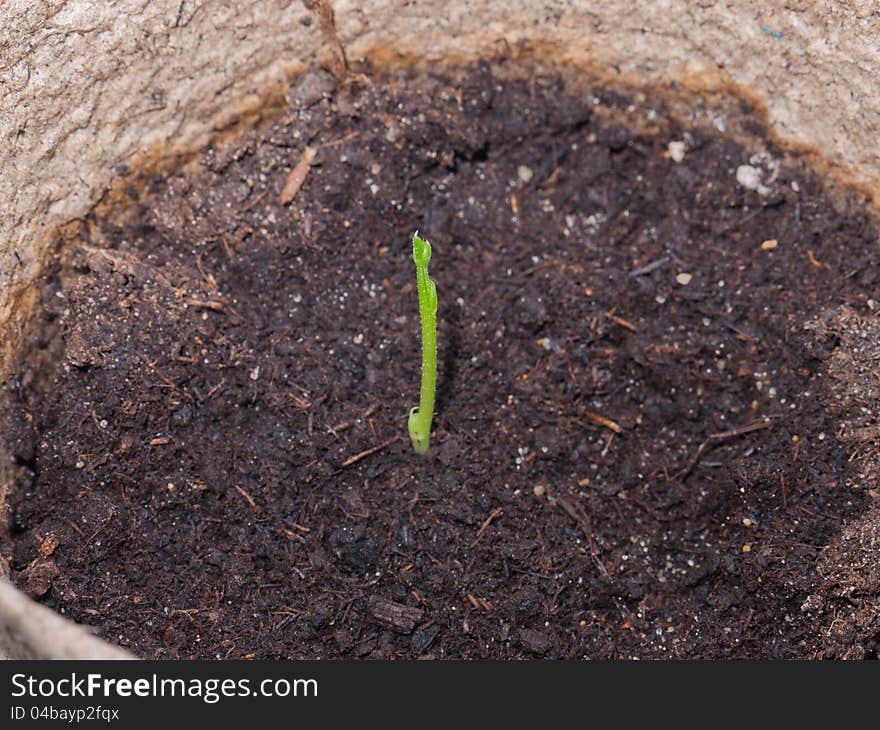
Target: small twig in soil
{"x":717,"y":438}
{"x":342,"y":140}
{"x":620,"y":321}
{"x":254,"y":201}
{"x":297,"y":176}
{"x":602,"y":421}
{"x":741,"y":335}
{"x":815,"y":262}
{"x":186,"y":612}
{"x":514,"y":205}
{"x":335,"y":430}
{"x":369,"y":452}
{"x":289,"y":617}
{"x":582,"y":520}
{"x":247,"y":497}
{"x":479,"y":603}
{"x":214,"y":306}
{"x":300,"y":403}
{"x":607,"y":445}
{"x":291,"y":535}
{"x":648,"y":268}
{"x":216,"y":388}
{"x":97,"y":532}
{"x":495,"y":513}
{"x":227,"y":248}
{"x":520,"y":571}
{"x":209,"y":278}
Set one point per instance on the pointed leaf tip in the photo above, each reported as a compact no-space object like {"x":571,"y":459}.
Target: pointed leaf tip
{"x":421,"y":250}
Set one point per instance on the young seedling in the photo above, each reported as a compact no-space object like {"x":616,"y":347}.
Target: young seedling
{"x":420,"y":417}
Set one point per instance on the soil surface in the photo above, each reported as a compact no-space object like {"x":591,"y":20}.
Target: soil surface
{"x":635,"y":454}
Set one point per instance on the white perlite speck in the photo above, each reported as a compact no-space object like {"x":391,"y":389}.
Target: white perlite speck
{"x":749,"y":177}
{"x":524,"y":173}
{"x":676,"y":151}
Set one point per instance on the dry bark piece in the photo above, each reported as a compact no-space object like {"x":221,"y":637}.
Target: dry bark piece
{"x":536,"y":642}
{"x":39,"y":578}
{"x":402,"y":619}
{"x":49,"y":544}
{"x":423,"y":638}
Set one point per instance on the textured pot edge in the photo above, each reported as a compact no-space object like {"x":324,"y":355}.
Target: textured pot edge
{"x":29,"y":630}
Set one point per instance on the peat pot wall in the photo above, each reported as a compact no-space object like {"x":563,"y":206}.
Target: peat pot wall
{"x":90,"y":91}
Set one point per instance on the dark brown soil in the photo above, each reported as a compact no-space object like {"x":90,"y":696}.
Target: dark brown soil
{"x":212,"y":422}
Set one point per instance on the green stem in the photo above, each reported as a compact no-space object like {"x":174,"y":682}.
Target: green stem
{"x":420,"y":418}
